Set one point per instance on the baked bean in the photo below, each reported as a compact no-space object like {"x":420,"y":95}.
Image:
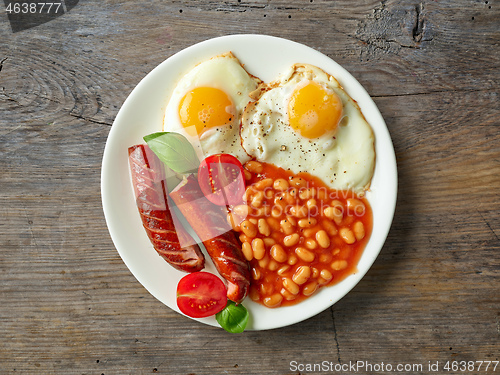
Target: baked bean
{"x":339,"y":265}
{"x":256,"y":274}
{"x":311,"y":244}
{"x":294,"y":192}
{"x":298,"y":211}
{"x":241,"y":210}
{"x":321,"y":193}
{"x":248,"y":193}
{"x":359,"y":230}
{"x":287,"y":227}
{"x":292,"y":220}
{"x":264,"y":262}
{"x":283,"y":269}
{"x":262,"y":211}
{"x":287,"y":295}
{"x":292,"y":259}
{"x":246,"y":249}
{"x":338,"y":204}
{"x":315,"y":272}
{"x":273,"y":301}
{"x":257,"y":199}
{"x":304,"y":254}
{"x":269,"y":193}
{"x":290,"y":285}
{"x":356,"y":206}
{"x":253,"y":220}
{"x":272,"y":266}
{"x":263,"y":227}
{"x":276,"y":211}
{"x":298,"y":182}
{"x":259,"y":250}
{"x":245,"y":238}
{"x":323,"y":239}
{"x":291,"y":240}
{"x":281,"y":184}
{"x":347,"y":235}
{"x":302,"y":274}
{"x":254,"y":294}
{"x":326,"y":275}
{"x":348,"y":220}
{"x":248,"y":175}
{"x":262,"y":184}
{"x":310,"y":288}
{"x":281,"y":202}
{"x":325,"y":258}
{"x":254,"y":167}
{"x":311,"y":205}
{"x":308,"y":222}
{"x":307,"y":193}
{"x":248,"y":228}
{"x":273,"y":223}
{"x":338,"y":215}
{"x":268,"y":241}
{"x":278,"y":253}
{"x":328,"y":212}
{"x":334,"y":213}
{"x":322,"y":281}
{"x":231,"y":221}
{"x":336,"y":251}
{"x":288,"y":198}
{"x":329,"y":227}
{"x":266,"y":289}
{"x":309,"y":232}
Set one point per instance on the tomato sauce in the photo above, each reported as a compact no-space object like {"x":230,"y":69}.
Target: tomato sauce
{"x":297,"y":234}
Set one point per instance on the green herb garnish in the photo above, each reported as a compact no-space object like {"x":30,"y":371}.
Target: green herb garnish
{"x":174,"y":150}
{"x":233,"y":318}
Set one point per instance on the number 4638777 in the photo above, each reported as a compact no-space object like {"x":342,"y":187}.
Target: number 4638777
{"x":25,"y":8}
{"x":471,"y":366}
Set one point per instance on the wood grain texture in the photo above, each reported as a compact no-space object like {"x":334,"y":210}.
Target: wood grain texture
{"x":69,"y":305}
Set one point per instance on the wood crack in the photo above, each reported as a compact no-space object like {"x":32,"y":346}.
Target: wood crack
{"x":1,"y":63}
{"x":90,"y":120}
{"x":335,"y":336}
{"x":488,"y":225}
{"x":7,"y":96}
{"x":418,"y":28}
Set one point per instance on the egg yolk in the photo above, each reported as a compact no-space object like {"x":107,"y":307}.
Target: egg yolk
{"x":203,"y":108}
{"x":313,"y":111}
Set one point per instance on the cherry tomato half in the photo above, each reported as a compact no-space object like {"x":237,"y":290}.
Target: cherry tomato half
{"x":201,"y":294}
{"x":221,"y":179}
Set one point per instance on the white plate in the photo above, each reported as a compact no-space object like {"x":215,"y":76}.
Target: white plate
{"x":142,"y":113}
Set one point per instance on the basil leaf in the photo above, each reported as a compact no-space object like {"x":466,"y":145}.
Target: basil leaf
{"x":233,"y":318}
{"x":174,"y":150}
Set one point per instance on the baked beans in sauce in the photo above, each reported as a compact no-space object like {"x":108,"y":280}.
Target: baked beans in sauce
{"x":297,"y":234}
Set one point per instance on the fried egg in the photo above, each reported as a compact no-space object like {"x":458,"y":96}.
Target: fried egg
{"x":207,"y":104}
{"x":305,"y":122}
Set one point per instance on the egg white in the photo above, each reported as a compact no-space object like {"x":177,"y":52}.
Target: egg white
{"x":343,"y":159}
{"x":227,"y":74}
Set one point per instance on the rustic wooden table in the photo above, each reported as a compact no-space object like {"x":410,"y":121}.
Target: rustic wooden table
{"x":69,"y":305}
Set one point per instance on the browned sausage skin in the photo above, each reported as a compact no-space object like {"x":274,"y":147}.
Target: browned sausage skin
{"x":164,"y":231}
{"x":209,"y":223}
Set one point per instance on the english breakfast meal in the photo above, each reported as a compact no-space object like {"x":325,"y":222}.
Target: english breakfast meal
{"x":271,"y":177}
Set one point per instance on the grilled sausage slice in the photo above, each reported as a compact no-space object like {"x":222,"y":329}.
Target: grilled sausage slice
{"x":209,"y":223}
{"x":162,"y":227}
